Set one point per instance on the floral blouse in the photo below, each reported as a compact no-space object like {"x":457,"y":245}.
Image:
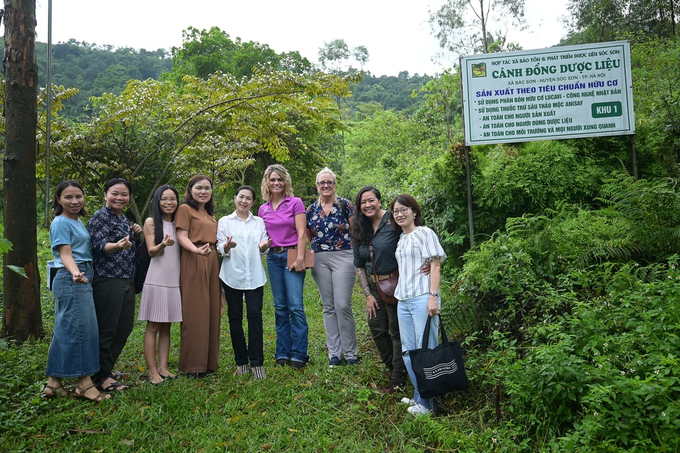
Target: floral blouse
{"x":330,"y":232}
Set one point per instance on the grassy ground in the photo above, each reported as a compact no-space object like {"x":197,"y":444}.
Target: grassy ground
{"x":318,"y":409}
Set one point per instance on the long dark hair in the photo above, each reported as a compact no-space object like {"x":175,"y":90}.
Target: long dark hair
{"x":57,"y":209}
{"x":157,"y":214}
{"x":409,"y":202}
{"x":360,"y":225}
{"x":189,"y":199}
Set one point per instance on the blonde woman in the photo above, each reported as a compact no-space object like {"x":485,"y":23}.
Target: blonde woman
{"x":333,"y":271}
{"x":284,"y":217}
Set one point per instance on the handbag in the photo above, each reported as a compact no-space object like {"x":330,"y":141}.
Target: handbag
{"x":387,"y":286}
{"x":440,"y":370}
{"x":309,"y":258}
{"x":142,"y":261}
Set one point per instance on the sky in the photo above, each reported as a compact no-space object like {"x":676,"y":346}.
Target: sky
{"x":395,"y":32}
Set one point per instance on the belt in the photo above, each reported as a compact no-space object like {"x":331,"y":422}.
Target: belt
{"x":378,"y":278}
{"x":282,"y":249}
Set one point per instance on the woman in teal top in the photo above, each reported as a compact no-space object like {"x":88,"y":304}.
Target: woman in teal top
{"x":74,"y":350}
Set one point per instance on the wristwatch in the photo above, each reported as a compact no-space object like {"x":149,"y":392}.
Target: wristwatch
{"x":434,"y":294}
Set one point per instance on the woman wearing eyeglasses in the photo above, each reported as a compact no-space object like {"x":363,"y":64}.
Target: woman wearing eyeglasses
{"x":418,"y":294}
{"x":333,"y":271}
{"x":372,"y":227}
{"x":199,"y":280}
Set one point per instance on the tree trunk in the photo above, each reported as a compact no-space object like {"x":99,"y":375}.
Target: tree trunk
{"x":22,"y":317}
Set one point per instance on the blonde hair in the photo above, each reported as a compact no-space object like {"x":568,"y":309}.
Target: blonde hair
{"x":327,"y":171}
{"x":287,"y":182}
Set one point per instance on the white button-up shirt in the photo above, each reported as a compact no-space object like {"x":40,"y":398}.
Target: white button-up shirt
{"x":242,"y":265}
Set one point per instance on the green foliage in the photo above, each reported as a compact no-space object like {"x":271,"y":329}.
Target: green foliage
{"x":657,"y":105}
{"x":609,"y":20}
{"x":150,"y":134}
{"x":534,"y":177}
{"x":95,"y":70}
{"x":206,"y":52}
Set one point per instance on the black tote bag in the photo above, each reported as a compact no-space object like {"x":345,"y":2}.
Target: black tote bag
{"x":440,"y":370}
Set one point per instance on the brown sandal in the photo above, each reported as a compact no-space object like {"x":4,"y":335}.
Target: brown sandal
{"x":54,"y":391}
{"x":80,"y":393}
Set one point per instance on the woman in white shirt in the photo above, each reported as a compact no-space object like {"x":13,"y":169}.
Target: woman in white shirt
{"x":241,"y":238}
{"x":418,"y":293}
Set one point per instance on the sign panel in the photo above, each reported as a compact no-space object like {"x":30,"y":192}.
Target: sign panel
{"x":548,"y":94}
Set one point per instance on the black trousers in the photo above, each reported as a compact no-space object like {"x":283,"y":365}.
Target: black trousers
{"x":114,"y":303}
{"x":385,"y":332}
{"x":253,"y":350}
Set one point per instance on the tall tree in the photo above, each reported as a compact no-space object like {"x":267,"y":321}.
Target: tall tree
{"x":21,"y":318}
{"x":464,"y":26}
{"x":607,"y":20}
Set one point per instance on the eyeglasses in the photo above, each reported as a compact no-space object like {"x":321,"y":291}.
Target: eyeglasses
{"x":402,"y":211}
{"x":325,"y":183}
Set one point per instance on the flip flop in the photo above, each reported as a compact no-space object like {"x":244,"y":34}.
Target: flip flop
{"x":54,"y":391}
{"x":80,"y":393}
{"x":169,"y":376}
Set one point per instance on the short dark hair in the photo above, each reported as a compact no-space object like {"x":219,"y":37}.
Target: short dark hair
{"x":57,"y":209}
{"x":247,"y":188}
{"x":113,"y":181}
{"x":409,"y":202}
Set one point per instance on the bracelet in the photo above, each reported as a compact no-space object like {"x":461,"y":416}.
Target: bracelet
{"x":434,"y":294}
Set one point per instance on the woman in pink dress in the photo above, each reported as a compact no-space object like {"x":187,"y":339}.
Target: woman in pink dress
{"x":161,"y":302}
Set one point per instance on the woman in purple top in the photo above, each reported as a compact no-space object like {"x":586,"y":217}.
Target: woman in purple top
{"x":285,"y":220}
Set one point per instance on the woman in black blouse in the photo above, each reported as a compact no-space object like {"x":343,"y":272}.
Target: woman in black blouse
{"x":371,"y":225}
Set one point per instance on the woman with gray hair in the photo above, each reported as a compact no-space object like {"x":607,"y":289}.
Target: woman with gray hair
{"x":333,"y":271}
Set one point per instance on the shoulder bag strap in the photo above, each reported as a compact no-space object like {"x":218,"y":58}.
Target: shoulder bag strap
{"x":370,"y":251}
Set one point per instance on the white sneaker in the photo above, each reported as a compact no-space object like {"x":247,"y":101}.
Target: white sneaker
{"x":408,"y":401}
{"x":418,"y":410}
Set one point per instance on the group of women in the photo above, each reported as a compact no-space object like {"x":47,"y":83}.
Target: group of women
{"x":95,"y":296}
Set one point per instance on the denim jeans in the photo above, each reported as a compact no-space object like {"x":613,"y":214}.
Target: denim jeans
{"x":412,"y":315}
{"x":291,"y":322}
{"x":74,"y":350}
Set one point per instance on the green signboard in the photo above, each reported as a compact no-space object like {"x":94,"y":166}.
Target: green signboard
{"x":545,"y":94}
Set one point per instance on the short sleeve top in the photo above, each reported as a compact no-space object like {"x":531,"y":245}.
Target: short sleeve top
{"x":413,"y":250}
{"x":384,"y":243}
{"x":65,"y":231}
{"x":200,"y":227}
{"x":280,"y":223}
{"x":330,"y":232}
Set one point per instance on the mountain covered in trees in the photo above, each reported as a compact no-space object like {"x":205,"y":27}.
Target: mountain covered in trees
{"x":97,"y":69}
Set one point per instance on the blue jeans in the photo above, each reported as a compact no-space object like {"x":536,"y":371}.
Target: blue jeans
{"x":74,"y":350}
{"x":412,"y":315}
{"x":291,"y":322}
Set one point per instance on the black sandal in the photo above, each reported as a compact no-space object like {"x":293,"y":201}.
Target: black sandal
{"x":115,"y":386}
